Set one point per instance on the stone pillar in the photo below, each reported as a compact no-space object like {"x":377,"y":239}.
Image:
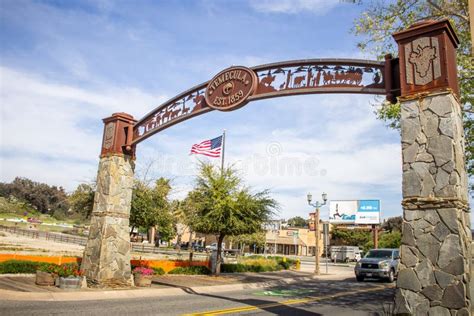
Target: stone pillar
{"x":106,"y":259}
{"x":435,"y":263}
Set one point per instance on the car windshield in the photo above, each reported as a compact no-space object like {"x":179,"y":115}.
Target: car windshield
{"x":379,"y":254}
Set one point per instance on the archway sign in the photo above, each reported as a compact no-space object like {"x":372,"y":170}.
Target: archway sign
{"x":435,"y":254}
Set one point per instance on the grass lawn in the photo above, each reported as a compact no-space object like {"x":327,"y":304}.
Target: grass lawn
{"x":46,"y":228}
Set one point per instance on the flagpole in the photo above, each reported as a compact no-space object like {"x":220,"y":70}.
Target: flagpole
{"x":223,"y":151}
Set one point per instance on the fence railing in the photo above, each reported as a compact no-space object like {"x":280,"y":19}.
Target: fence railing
{"x":45,"y":235}
{"x":57,"y":237}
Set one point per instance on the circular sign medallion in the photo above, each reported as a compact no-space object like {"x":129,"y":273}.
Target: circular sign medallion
{"x":230,"y":88}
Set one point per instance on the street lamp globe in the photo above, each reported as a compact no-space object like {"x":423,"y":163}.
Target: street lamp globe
{"x":309,"y":197}
{"x":325,"y":197}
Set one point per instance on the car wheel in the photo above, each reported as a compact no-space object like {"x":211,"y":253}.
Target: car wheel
{"x":391,"y":276}
{"x":359,"y":278}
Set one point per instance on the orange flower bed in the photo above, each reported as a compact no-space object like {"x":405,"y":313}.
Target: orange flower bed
{"x":166,"y":265}
{"x":56,"y":260}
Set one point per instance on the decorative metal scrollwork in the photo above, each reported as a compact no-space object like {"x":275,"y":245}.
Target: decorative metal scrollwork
{"x":278,"y":79}
{"x":186,"y":105}
{"x":319,"y":76}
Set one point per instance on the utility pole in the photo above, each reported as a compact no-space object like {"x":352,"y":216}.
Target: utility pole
{"x":326,"y":242}
{"x":375,"y":236}
{"x":316,"y":231}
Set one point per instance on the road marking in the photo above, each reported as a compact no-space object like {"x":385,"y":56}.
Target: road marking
{"x":287,"y":302}
{"x":295,"y":292}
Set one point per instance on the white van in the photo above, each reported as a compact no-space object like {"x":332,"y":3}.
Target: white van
{"x":345,"y":253}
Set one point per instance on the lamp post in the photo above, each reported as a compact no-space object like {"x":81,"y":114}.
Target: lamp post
{"x":317,"y":205}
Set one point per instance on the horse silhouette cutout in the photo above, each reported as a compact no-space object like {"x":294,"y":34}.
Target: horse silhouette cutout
{"x":185,"y":110}
{"x":175,"y":113}
{"x":265,"y":84}
{"x":199,"y":102}
{"x":166,"y":115}
{"x":297,"y":81}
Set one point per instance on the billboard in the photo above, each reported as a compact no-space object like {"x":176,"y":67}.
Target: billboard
{"x":368,"y":212}
{"x":342,"y":211}
{"x":354,"y":212}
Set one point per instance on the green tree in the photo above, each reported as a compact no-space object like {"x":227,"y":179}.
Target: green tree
{"x":184,"y":215}
{"x":225,"y":207}
{"x":151,"y":208}
{"x":382,"y":18}
{"x":350,"y":237}
{"x":297,"y":221}
{"x":393,"y":224}
{"x":256,"y":239}
{"x":390,"y":240}
{"x":82,"y":199}
{"x":44,"y":198}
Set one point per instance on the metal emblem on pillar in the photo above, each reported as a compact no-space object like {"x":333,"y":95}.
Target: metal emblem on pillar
{"x":427,"y":52}
{"x":118,"y":135}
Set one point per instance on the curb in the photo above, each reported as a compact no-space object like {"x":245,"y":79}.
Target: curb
{"x":141,"y":293}
{"x":7,"y":275}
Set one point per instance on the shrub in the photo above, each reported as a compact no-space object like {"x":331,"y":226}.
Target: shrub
{"x":234,"y":268}
{"x":390,"y":240}
{"x":20,"y":266}
{"x":49,"y":268}
{"x":270,"y":264}
{"x":285,"y":265}
{"x":69,"y":269}
{"x":190,"y":270}
{"x":239,"y":268}
{"x":283,"y":262}
{"x":260,"y":268}
{"x":158,"y":271}
{"x":257,"y":263}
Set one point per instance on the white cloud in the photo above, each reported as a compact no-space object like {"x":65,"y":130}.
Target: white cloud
{"x":47,"y":121}
{"x":59,"y":172}
{"x":318,"y":7}
{"x":315,"y":143}
{"x":52,"y":133}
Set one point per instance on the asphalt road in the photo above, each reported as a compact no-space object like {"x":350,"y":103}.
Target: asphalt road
{"x":316,"y":297}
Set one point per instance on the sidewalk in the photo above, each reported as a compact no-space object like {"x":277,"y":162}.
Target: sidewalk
{"x":23,"y":288}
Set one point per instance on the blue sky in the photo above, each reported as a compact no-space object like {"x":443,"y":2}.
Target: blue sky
{"x":65,"y":65}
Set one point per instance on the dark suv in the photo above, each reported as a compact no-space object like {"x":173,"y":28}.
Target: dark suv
{"x":378,"y":263}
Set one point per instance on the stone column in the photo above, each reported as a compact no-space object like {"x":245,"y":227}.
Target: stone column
{"x":435,"y":263}
{"x":106,"y":259}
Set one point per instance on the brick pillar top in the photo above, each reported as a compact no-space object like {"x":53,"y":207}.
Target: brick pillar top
{"x":427,"y":52}
{"x":117,"y":139}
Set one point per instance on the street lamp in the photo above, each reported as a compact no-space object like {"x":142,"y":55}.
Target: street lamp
{"x":317,"y":205}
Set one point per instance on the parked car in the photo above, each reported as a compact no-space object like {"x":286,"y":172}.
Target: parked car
{"x":213,"y":247}
{"x":34,"y":220}
{"x":198,"y":248}
{"x":378,"y":263}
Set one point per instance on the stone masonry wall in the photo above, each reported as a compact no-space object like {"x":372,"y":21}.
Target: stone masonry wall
{"x":435,"y":253}
{"x":106,"y":259}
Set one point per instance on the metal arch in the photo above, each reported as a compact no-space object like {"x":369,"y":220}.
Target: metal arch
{"x":305,"y":76}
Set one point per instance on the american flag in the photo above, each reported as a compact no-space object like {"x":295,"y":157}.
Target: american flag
{"x":210,"y":148}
